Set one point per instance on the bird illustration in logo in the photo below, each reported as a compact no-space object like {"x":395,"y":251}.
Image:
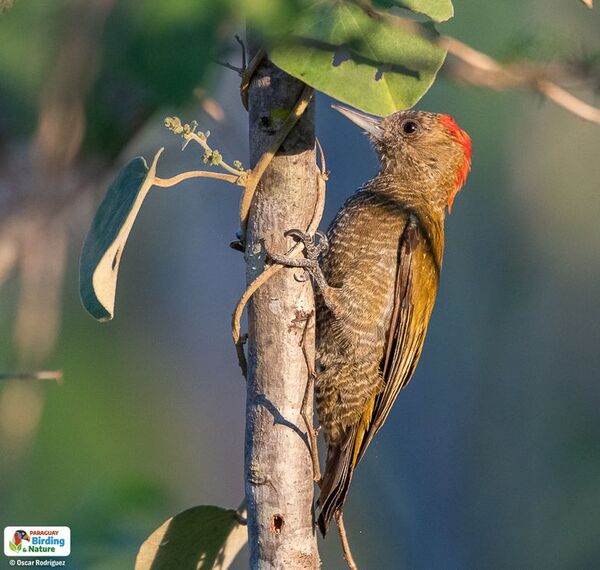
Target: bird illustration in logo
{"x":17,"y":541}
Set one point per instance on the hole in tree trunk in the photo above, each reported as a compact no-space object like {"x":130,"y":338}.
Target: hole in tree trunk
{"x":277,"y":524}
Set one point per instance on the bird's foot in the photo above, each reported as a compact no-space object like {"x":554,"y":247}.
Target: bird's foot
{"x":313,"y":248}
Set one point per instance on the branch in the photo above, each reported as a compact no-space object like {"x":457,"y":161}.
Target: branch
{"x":568,"y":101}
{"x":277,"y":464}
{"x":55,"y":375}
{"x":478,"y":68}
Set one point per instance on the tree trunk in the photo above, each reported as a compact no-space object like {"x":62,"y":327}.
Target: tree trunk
{"x":278,"y":469}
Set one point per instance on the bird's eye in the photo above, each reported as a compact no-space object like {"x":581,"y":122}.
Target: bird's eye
{"x":410,"y":127}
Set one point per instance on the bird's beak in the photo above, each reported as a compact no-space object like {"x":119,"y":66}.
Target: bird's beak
{"x":371,"y":125}
{"x":27,"y":537}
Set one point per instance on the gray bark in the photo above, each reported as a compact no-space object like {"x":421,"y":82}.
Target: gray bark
{"x":278,"y":469}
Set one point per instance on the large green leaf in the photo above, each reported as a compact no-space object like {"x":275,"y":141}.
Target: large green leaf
{"x":203,"y":537}
{"x":104,"y":244}
{"x":437,"y":10}
{"x":366,"y":62}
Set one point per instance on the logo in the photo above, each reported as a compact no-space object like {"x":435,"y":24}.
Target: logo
{"x":16,"y":542}
{"x":37,"y":541}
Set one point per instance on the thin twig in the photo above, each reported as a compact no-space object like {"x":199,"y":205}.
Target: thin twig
{"x":239,"y":340}
{"x":227,"y":65}
{"x":245,"y":72}
{"x":202,"y":142}
{"x":568,"y":101}
{"x":249,"y":71}
{"x":168,"y":182}
{"x":323,"y":167}
{"x":55,"y":375}
{"x":307,"y":402}
{"x":478,"y":68}
{"x":243,"y":46}
{"x":339,"y":519}
{"x":256,"y":173}
{"x":493,"y":75}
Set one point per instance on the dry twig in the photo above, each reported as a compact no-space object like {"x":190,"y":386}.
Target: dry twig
{"x":480,"y":69}
{"x":55,"y":375}
{"x":167,"y":182}
{"x":307,"y":402}
{"x":249,"y":71}
{"x":477,"y":68}
{"x":339,"y":519}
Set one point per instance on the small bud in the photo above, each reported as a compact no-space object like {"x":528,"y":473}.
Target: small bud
{"x":216,"y":158}
{"x":237,"y":164}
{"x":174,"y":125}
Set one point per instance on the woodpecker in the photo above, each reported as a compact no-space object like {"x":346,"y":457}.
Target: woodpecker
{"x":376,"y":274}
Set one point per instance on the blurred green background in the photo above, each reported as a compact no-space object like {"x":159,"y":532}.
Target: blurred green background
{"x":490,"y":459}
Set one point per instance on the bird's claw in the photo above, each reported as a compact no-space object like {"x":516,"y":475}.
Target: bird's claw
{"x":310,"y":263}
{"x":313,"y":248}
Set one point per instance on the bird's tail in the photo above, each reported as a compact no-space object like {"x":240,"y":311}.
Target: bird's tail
{"x":339,"y":468}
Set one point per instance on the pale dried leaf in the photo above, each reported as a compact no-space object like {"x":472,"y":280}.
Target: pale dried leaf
{"x":103,"y":247}
{"x":204,"y":537}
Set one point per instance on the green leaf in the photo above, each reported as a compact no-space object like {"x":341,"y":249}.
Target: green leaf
{"x":365,"y":62}
{"x":437,"y":10}
{"x":203,"y":537}
{"x":104,"y":244}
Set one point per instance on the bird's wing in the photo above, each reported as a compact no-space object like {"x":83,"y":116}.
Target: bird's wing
{"x":405,"y":337}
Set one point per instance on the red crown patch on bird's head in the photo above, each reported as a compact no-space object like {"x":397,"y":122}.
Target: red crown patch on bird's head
{"x":462,"y":138}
